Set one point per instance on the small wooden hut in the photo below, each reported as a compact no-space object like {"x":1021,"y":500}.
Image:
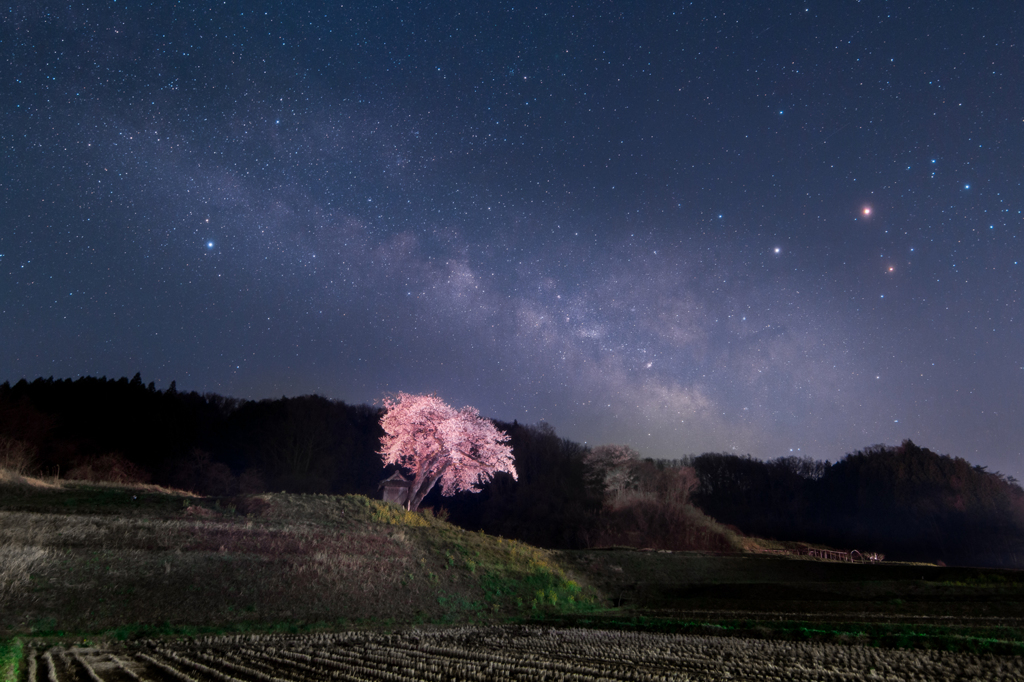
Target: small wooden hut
{"x":396,"y":489}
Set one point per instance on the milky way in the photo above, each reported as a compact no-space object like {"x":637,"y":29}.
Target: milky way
{"x":772,"y":229}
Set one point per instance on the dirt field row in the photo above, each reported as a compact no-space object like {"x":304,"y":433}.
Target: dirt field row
{"x":500,"y":653}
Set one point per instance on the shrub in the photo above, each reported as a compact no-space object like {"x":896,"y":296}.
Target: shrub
{"x":110,"y":468}
{"x":17,"y":456}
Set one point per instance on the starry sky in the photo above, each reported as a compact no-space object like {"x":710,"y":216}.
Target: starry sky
{"x":757,"y":227}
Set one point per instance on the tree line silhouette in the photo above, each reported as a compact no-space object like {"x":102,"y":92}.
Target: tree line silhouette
{"x":904,"y":501}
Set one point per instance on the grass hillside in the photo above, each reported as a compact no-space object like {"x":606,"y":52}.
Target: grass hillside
{"x":85,"y":559}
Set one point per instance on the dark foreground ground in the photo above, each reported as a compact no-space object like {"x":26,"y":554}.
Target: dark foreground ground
{"x":888,"y":604}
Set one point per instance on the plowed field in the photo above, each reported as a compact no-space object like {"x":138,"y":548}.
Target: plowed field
{"x":502,"y":653}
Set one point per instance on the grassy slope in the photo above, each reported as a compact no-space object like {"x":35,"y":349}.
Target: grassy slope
{"x":87,"y":559}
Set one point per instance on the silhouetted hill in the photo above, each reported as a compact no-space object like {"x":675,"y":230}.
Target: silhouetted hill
{"x":906,"y":502}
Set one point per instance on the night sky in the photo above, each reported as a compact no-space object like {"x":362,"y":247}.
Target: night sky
{"x":753,"y":227}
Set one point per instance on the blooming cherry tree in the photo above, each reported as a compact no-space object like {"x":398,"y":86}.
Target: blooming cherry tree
{"x":436,"y":442}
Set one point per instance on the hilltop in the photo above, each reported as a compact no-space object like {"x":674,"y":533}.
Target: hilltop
{"x":93,"y":558}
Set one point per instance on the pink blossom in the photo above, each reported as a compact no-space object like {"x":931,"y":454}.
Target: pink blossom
{"x":436,"y":442}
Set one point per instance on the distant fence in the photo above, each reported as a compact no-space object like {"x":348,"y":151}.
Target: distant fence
{"x":853,"y":556}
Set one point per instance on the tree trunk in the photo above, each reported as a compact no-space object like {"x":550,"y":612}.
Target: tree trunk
{"x":416,"y":495}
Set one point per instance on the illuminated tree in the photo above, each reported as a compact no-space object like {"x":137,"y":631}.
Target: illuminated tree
{"x":436,"y":442}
